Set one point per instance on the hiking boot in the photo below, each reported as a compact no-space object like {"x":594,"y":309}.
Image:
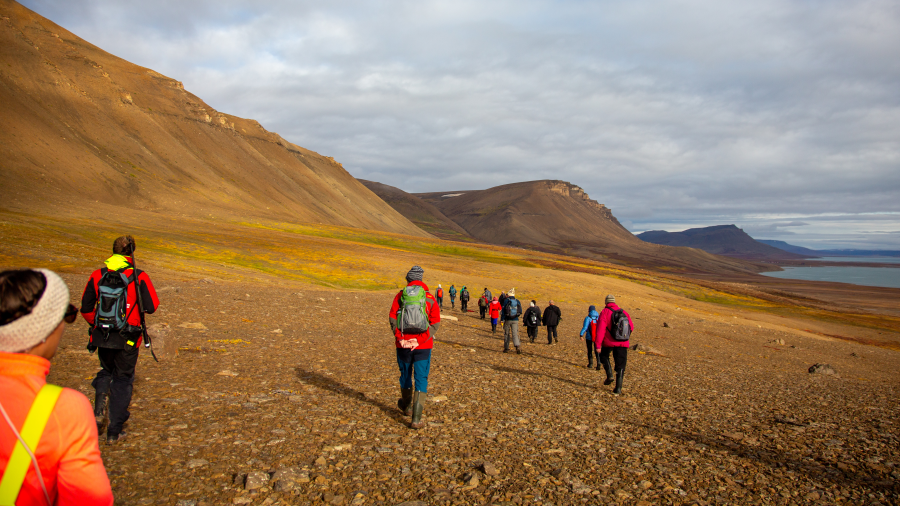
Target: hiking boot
{"x":417,"y":406}
{"x":101,"y":412}
{"x":404,"y":403}
{"x":518,"y":351}
{"x":505,"y":350}
{"x":620,"y":376}
{"x":114,"y":439}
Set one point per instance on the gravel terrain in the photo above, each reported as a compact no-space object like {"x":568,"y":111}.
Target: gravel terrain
{"x":266,"y":395}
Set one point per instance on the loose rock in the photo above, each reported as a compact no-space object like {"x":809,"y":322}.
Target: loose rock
{"x":821,"y":369}
{"x":256,"y":480}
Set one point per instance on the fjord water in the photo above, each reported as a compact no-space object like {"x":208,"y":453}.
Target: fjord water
{"x":867,"y":276}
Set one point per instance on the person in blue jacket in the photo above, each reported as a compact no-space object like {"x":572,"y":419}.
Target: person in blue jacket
{"x":452,"y":293}
{"x":587,"y":335}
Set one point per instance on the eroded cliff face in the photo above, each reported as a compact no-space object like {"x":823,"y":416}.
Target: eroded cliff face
{"x":575,"y":192}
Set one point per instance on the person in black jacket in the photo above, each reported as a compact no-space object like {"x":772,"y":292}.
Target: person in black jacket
{"x":464,"y":300}
{"x":552,"y":317}
{"x":532,"y":320}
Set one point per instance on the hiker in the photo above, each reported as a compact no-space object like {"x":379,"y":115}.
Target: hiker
{"x":487,"y":295}
{"x":439,"y":296}
{"x":532,"y":319}
{"x":452,"y":292}
{"x":495,"y":314}
{"x":502,"y":298}
{"x":614,"y":339}
{"x":511,"y":312}
{"x":59,"y":462}
{"x":116,"y":334}
{"x":587,"y":335}
{"x":464,"y":300}
{"x":415,"y":318}
{"x":552,"y":317}
{"x":482,"y":306}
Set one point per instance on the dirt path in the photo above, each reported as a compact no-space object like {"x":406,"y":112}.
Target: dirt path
{"x":716,"y":413}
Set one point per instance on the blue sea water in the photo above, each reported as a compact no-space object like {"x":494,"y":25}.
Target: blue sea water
{"x":867,"y":276}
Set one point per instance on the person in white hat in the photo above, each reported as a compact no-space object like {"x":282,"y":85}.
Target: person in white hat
{"x":49,"y":453}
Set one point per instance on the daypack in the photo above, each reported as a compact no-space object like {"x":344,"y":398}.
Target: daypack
{"x":412,"y":316}
{"x":482,"y":302}
{"x":440,"y":293}
{"x":112,"y":301}
{"x":532,"y":319}
{"x":511,"y":310}
{"x":619,"y":328}
{"x":464,"y":296}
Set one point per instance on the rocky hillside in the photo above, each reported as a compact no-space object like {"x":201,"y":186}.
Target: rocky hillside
{"x":425,"y":215}
{"x":559,"y":217}
{"x":83,"y":129}
{"x":726,"y":240}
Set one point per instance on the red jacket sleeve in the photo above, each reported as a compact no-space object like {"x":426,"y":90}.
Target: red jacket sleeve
{"x":89,"y":298}
{"x":434,"y":310}
{"x":602,"y":323}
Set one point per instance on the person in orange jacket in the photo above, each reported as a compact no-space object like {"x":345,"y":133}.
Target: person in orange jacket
{"x":49,"y":453}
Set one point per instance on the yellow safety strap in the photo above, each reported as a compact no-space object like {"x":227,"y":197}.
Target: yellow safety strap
{"x":19,"y":460}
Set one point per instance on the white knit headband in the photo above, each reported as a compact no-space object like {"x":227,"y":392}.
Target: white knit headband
{"x":31,"y":329}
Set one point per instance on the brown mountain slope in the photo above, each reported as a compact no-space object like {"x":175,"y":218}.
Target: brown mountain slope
{"x":559,"y":217}
{"x":83,"y":127}
{"x":423,"y":214}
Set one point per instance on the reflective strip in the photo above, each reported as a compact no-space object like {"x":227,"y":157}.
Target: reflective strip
{"x":19,"y":461}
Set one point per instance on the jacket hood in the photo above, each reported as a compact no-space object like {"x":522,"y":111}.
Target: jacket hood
{"x":613,"y":306}
{"x":418,"y":283}
{"x":117,"y":262}
{"x":593,"y":314}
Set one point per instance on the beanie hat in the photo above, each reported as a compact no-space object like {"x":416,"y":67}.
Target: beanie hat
{"x":592,"y":308}
{"x":439,"y":285}
{"x":532,"y":303}
{"x":610,"y":298}
{"x":511,"y":293}
{"x":415,"y":274}
{"x":29,"y":330}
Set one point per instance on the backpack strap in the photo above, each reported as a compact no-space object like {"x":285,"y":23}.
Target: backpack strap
{"x":20,"y":458}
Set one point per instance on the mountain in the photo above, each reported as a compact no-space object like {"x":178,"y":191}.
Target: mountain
{"x":86,"y":133}
{"x":423,"y":214}
{"x":799,"y":250}
{"x":559,"y":217}
{"x":727,"y":240}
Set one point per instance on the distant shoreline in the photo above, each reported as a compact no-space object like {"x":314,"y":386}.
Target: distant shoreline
{"x":827,"y":263}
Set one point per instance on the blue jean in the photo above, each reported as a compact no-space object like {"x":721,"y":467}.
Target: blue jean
{"x":417,"y":369}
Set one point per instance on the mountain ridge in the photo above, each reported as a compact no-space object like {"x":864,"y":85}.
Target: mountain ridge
{"x":726,"y":240}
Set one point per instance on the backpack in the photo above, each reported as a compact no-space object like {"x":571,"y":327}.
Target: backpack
{"x":440,"y":293}
{"x":511,"y":311}
{"x":412,"y":316}
{"x":464,"y":296}
{"x":112,"y":301}
{"x":620,"y":329}
{"x":482,"y":302}
{"x":533,"y":319}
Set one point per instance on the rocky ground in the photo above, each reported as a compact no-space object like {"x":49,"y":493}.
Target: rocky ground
{"x":280,"y":396}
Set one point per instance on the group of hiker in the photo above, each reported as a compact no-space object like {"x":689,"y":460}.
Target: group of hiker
{"x":49,"y":437}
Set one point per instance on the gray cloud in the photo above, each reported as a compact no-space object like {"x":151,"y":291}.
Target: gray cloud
{"x":712,"y":113}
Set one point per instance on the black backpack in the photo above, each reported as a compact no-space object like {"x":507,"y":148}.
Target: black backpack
{"x":112,"y":301}
{"x":619,"y":328}
{"x":533,"y":319}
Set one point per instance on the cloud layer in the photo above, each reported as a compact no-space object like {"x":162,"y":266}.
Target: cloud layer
{"x":674,"y":114}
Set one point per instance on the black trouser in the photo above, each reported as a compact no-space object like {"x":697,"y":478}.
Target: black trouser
{"x":532,"y":332}
{"x":620,"y":355}
{"x":116,"y":379}
{"x":551,"y":334}
{"x":591,"y":351}
{"x":483,"y":310}
{"x":463,"y":305}
{"x":440,"y":301}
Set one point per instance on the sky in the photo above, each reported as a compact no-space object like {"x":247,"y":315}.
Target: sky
{"x":779,"y":116}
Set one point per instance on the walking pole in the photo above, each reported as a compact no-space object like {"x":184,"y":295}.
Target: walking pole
{"x":137,"y":290}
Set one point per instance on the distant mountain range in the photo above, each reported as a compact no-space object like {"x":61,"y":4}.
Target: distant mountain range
{"x":814,"y":253}
{"x":547,"y":215}
{"x":727,"y":240}
{"x":799,"y":250}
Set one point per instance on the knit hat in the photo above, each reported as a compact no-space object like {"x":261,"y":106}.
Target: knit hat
{"x":610,"y":298}
{"x":29,"y":330}
{"x":592,"y":308}
{"x":415,"y":274}
{"x":532,"y":303}
{"x":439,"y":285}
{"x":512,"y":292}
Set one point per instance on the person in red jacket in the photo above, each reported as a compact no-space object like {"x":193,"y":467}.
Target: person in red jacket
{"x":605,"y":344}
{"x":415,"y":317}
{"x":117,"y":349}
{"x":57,"y":460}
{"x":494,"y":308}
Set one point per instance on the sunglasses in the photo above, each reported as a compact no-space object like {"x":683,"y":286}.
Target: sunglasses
{"x":70,"y":314}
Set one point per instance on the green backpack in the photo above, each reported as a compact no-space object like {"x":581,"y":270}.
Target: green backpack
{"x":412,"y":317}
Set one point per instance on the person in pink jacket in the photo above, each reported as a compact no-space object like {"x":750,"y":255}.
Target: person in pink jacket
{"x":608,"y":344}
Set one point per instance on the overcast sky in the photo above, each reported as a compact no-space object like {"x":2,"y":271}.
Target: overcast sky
{"x":782,"y":117}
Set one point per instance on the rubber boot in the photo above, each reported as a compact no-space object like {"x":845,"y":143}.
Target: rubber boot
{"x":620,"y":376}
{"x":417,"y":407}
{"x":598,"y":359}
{"x":405,"y":401}
{"x":608,"y":368}
{"x":101,"y":411}
{"x":590,"y":360}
